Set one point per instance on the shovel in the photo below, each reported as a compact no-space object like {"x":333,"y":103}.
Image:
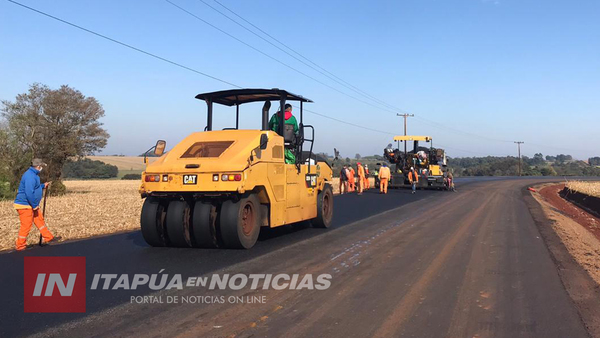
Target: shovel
{"x":44,"y":211}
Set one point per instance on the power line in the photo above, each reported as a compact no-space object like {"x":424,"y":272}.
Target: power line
{"x":442,"y":126}
{"x":123,"y":44}
{"x":181,"y":65}
{"x":519,"y":146}
{"x":170,"y":61}
{"x":302,"y":56}
{"x":273,"y":58}
{"x":344,"y":122}
{"x":405,"y":116}
{"x":307,"y":63}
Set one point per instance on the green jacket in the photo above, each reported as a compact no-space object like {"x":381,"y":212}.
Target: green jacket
{"x":290,"y":158}
{"x":274,"y":123}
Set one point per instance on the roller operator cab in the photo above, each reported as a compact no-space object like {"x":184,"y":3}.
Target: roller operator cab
{"x":217,"y":188}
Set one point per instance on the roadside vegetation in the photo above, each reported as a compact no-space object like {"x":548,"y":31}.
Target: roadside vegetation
{"x":559,"y":165}
{"x":588,"y":188}
{"x":87,"y":169}
{"x":52,"y":124}
{"x":132,"y":177}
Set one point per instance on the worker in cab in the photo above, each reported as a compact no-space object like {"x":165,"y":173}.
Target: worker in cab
{"x":413,"y":178}
{"x":27,"y":204}
{"x":290,"y":158}
{"x":360,"y":170}
{"x":384,"y":177}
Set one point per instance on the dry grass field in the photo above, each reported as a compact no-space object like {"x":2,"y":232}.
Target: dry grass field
{"x":90,"y":208}
{"x":588,"y":188}
{"x":131,"y":163}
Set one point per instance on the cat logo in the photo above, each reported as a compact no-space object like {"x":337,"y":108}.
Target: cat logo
{"x":190,"y":179}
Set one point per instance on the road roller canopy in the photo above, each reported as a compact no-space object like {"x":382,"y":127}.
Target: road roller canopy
{"x":236,"y":97}
{"x":240,"y":96}
{"x":412,"y":138}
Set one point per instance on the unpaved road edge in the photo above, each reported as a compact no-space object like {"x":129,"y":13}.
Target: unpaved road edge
{"x":582,"y":289}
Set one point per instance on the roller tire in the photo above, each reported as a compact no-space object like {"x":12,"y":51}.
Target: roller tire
{"x":204,"y":231}
{"x":239,"y":222}
{"x":152,"y":222}
{"x":324,"y":208}
{"x":178,"y":224}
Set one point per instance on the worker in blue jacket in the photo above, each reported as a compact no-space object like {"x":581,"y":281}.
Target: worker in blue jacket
{"x":27,"y":204}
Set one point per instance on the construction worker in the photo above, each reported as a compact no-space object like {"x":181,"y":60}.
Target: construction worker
{"x":367,"y":183}
{"x":290,"y":158}
{"x":351,"y":179}
{"x":344,"y":180}
{"x":384,"y":177}
{"x":451,"y":181}
{"x":361,"y":177}
{"x":413,"y":178}
{"x":27,"y":204}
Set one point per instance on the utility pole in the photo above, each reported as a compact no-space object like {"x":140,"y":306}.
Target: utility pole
{"x":405,"y":116}
{"x":519,"y":147}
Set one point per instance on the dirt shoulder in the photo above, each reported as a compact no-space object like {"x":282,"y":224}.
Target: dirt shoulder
{"x":589,"y":221}
{"x":574,"y":248}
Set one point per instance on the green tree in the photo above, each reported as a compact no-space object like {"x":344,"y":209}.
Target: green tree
{"x":595,"y":161}
{"x":53,"y":124}
{"x":548,"y":171}
{"x":538,"y":159}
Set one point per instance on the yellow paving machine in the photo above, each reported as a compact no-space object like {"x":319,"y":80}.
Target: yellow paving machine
{"x":428,"y":162}
{"x":217,"y":188}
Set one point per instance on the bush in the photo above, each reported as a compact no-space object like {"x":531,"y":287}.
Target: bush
{"x":132,"y":177}
{"x":57,"y":188}
{"x":5,"y":191}
{"x":88,"y":169}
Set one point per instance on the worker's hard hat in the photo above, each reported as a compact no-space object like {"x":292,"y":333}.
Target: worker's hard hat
{"x":411,"y":168}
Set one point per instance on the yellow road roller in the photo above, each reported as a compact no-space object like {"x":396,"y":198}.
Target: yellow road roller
{"x":217,"y":188}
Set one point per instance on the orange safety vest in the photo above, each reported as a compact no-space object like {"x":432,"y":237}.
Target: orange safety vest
{"x":384,"y":173}
{"x":412,"y":177}
{"x":361,"y":171}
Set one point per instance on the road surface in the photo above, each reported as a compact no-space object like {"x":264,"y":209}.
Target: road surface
{"x":433,"y":264}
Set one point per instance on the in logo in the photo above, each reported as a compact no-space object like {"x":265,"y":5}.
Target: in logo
{"x":54,"y":284}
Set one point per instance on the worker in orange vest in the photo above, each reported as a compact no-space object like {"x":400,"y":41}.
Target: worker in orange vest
{"x":351,"y":179}
{"x":367,"y":184}
{"x":361,"y":177}
{"x":413,"y":178}
{"x":384,"y":177}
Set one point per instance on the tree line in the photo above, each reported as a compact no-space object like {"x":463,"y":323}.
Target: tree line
{"x":538,"y":165}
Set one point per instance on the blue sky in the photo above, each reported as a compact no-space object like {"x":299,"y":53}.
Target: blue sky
{"x":478,"y":74}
